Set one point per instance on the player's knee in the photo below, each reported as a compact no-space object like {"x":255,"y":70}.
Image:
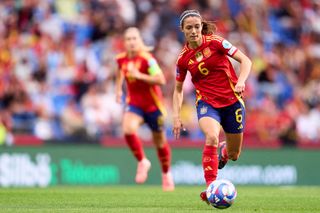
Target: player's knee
{"x":233,"y":156}
{"x":127,"y":129}
{"x":159,"y":141}
{"x":212,"y":139}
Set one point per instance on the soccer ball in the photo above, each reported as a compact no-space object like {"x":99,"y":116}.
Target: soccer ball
{"x":221,"y":194}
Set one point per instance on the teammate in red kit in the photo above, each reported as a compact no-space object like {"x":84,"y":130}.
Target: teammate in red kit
{"x":218,"y":91}
{"x":143,"y":76}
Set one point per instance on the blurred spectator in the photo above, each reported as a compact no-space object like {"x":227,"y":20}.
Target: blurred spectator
{"x":308,"y":125}
{"x":72,"y":121}
{"x":99,"y":111}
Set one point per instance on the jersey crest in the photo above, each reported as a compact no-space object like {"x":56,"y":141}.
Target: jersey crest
{"x":199,"y":56}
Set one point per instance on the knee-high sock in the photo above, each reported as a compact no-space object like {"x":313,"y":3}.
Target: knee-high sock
{"x":210,"y":163}
{"x":164,"y":155}
{"x":135,"y":145}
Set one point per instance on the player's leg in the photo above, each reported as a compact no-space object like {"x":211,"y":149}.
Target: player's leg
{"x":234,"y":145}
{"x":164,"y":155}
{"x":209,"y":119}
{"x":211,"y":128}
{"x":233,"y":122}
{"x":131,"y":122}
{"x":155,"y":120}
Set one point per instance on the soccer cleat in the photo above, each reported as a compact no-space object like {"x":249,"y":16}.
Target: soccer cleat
{"x":142,"y":170}
{"x":203,"y":196}
{"x":167,"y":182}
{"x":223,"y":158}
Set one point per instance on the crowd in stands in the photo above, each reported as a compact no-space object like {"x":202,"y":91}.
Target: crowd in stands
{"x":57,"y":69}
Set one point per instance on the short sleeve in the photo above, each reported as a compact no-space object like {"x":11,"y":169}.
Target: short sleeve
{"x":181,"y":69}
{"x":225,"y":46}
{"x":180,"y":74}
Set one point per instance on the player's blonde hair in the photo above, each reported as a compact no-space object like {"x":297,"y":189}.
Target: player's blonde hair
{"x":208,"y":27}
{"x":142,"y":45}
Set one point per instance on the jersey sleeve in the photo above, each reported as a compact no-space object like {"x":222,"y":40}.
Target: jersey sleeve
{"x":180,"y":73}
{"x":225,"y":46}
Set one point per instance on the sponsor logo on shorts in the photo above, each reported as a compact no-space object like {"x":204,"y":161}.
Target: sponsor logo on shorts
{"x":203,"y":110}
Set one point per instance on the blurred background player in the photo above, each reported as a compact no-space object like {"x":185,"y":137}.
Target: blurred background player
{"x":218,"y":91}
{"x":143,"y":76}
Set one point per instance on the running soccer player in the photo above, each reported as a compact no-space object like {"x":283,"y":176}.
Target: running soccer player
{"x":143,"y":76}
{"x":218,"y":91}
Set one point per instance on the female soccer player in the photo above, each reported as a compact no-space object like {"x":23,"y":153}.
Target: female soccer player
{"x":143,"y":76}
{"x":218,"y":91}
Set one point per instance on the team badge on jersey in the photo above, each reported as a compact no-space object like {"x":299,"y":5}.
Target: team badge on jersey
{"x":206,"y":52}
{"x":199,"y":56}
{"x":203,"y":110}
{"x":190,"y":62}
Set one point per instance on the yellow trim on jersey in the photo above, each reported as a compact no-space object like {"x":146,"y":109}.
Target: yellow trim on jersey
{"x":198,"y":97}
{"x":236,"y":94}
{"x":121,"y":55}
{"x":145,"y":55}
{"x":181,"y":53}
{"x":158,"y":103}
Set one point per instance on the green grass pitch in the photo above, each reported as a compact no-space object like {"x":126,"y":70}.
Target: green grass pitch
{"x":148,"y":199}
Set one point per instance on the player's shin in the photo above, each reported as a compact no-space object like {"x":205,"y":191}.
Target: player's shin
{"x":210,"y":163}
{"x":135,"y":145}
{"x":164,"y":155}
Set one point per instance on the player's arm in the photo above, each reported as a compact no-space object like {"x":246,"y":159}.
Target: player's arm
{"x":245,"y":67}
{"x":154,"y":76}
{"x":119,"y":83}
{"x":177,"y":103}
{"x":151,"y":79}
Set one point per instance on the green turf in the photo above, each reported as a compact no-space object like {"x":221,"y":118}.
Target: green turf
{"x":150,"y":199}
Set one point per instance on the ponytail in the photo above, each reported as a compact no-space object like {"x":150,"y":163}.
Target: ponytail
{"x":208,"y":28}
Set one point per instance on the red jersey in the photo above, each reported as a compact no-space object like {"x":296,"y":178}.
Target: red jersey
{"x":212,"y":73}
{"x":139,"y":93}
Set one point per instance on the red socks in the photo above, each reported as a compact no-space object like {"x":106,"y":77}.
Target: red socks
{"x":210,"y":163}
{"x":164,"y":155}
{"x":135,"y":145}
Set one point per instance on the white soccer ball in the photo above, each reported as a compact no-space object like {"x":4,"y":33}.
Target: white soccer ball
{"x":221,"y":194}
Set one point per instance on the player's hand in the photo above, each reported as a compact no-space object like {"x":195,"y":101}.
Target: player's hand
{"x":239,"y":88}
{"x":133,"y":72}
{"x":119,"y":97}
{"x":177,"y":127}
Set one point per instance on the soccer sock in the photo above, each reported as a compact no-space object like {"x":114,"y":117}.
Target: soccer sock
{"x":135,"y":145}
{"x":164,"y":155}
{"x":210,"y":163}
